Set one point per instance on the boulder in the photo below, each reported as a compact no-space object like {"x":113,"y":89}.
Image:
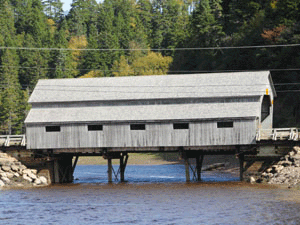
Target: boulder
{"x":296,"y":149}
{"x":6,"y":168}
{"x":32,"y":176}
{"x":252,"y":180}
{"x":16,"y":174}
{"x":3,"y":174}
{"x":9,"y":175}
{"x":37,"y":181}
{"x":15,"y":168}
{"x":22,"y":167}
{"x":2,"y":183}
{"x":26,"y":171}
{"x":25,"y":177}
{"x":5,"y":180}
{"x":34,"y":171}
{"x":43,"y":180}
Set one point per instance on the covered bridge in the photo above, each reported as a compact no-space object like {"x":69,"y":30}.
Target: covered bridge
{"x":193,"y":114}
{"x":150,"y":111}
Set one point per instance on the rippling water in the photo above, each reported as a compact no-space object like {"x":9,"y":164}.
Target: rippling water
{"x":152,"y":195}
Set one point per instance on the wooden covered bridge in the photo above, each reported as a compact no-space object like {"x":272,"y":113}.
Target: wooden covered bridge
{"x":195,"y":115}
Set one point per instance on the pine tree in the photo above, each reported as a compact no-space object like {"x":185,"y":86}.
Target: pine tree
{"x":53,"y":9}
{"x":11,"y":90}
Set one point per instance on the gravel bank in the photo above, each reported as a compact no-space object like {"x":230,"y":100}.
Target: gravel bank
{"x":286,"y":171}
{"x":14,"y":174}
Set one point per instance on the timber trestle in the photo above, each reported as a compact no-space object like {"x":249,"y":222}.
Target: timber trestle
{"x":111,"y":172}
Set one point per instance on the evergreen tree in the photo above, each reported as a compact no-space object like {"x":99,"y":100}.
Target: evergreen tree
{"x":205,"y":30}
{"x":53,"y":9}
{"x":82,"y":13}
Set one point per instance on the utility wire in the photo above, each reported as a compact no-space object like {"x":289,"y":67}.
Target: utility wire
{"x":170,"y":71}
{"x":153,"y":49}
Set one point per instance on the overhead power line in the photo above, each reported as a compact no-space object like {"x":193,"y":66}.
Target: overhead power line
{"x":153,"y":49}
{"x":170,"y":71}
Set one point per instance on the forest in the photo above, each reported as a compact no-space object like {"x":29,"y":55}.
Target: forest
{"x":146,"y":37}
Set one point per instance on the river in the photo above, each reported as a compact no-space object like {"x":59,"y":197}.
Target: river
{"x":153,"y":195}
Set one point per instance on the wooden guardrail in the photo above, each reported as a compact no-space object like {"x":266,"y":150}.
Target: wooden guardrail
{"x":12,"y":140}
{"x":292,"y":134}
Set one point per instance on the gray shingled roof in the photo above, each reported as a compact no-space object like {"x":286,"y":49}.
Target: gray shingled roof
{"x":152,"y":87}
{"x":144,"y":112}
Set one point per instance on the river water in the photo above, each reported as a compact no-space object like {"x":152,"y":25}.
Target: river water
{"x":153,"y":195}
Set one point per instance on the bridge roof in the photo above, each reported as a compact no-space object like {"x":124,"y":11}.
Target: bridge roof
{"x":153,"y":87}
{"x":129,"y":113}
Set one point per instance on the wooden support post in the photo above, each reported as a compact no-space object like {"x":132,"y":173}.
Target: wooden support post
{"x":187,"y":167}
{"x":56,"y":171}
{"x":75,"y":163}
{"x":199,"y":161}
{"x":109,"y":169}
{"x":123,"y":164}
{"x":241,"y":159}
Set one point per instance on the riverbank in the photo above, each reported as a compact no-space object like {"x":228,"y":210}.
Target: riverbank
{"x":14,"y":174}
{"x":134,"y":159}
{"x":285,"y":172}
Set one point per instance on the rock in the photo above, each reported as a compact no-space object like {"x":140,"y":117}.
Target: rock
{"x":26,"y":171}
{"x":6,"y":180}
{"x":278,"y":168}
{"x":2,"y":183}
{"x":296,"y":149}
{"x":43,"y":180}
{"x":22,"y":167}
{"x":292,"y":153}
{"x":269,"y":170}
{"x":16,"y":174}
{"x":6,"y":168}
{"x":25,"y":177}
{"x":286,"y":163}
{"x":34,"y":171}
{"x":15,"y":168}
{"x":32,"y":176}
{"x":297,"y":156}
{"x":252,"y":180}
{"x":9,"y":175}
{"x":3,"y":174}
{"x":37,"y":181}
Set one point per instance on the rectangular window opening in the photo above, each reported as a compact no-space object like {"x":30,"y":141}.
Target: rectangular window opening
{"x":180,"y":126}
{"x":138,"y":126}
{"x":227,"y":124}
{"x":95,"y":127}
{"x":52,"y":128}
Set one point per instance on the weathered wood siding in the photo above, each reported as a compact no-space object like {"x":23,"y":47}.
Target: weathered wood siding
{"x":204,"y":133}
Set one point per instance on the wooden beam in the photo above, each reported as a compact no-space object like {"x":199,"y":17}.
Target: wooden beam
{"x":109,"y":169}
{"x":241,"y":159}
{"x":199,"y":162}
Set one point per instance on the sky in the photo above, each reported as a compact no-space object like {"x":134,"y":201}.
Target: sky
{"x":67,"y":4}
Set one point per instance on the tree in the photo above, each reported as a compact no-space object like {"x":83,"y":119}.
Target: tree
{"x":151,"y":64}
{"x":82,"y":13}
{"x":53,"y":9}
{"x":205,"y":30}
{"x":11,"y":93}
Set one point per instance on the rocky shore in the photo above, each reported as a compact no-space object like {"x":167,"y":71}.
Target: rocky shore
{"x":14,"y":174}
{"x":286,"y":171}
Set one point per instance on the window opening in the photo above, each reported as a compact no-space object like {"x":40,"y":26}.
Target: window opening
{"x":138,"y":126}
{"x":180,"y":126}
{"x":95,"y":127}
{"x":52,"y":128}
{"x":223,"y":124}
